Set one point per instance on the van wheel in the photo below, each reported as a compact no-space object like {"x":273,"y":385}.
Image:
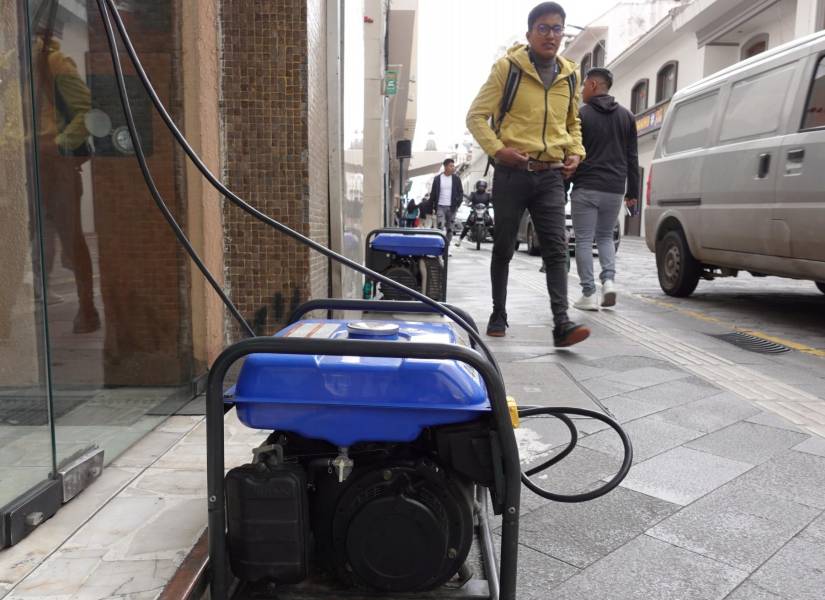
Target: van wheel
{"x":821,"y":286}
{"x":533,"y":248}
{"x":678,"y":271}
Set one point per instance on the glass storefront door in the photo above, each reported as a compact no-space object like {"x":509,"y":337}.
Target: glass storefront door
{"x":26,"y":443}
{"x":95,"y":339}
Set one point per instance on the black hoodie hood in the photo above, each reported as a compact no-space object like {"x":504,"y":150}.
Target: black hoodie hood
{"x":605,"y":104}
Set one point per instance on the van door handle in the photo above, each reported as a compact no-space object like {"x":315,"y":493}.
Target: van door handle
{"x":796,"y":155}
{"x":764,"y":166}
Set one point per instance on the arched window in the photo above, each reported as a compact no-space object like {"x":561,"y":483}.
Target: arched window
{"x":666,"y":81}
{"x":756,"y":45}
{"x":638,"y":97}
{"x":598,"y":54}
{"x":587,"y":62}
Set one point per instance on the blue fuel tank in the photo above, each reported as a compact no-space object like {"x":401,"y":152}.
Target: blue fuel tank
{"x":349,"y":399}
{"x":413,"y":244}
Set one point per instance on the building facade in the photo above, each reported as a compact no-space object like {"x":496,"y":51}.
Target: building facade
{"x":106,"y":328}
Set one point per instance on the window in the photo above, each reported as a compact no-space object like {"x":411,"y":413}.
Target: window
{"x":587,"y":62}
{"x":756,"y":45}
{"x":638,"y":97}
{"x":815,"y":108}
{"x":598,"y":54}
{"x":755,"y":104}
{"x":666,"y":81}
{"x":690,"y":124}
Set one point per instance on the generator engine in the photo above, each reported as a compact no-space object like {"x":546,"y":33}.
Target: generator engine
{"x":369,"y":473}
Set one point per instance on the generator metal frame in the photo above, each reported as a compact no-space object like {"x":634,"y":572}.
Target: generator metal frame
{"x":215,"y":467}
{"x":371,"y":260}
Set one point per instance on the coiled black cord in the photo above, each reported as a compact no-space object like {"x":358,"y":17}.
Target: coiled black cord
{"x":561,"y":414}
{"x":106,"y":7}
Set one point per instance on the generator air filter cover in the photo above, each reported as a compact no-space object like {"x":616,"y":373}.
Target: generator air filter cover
{"x":409,"y":244}
{"x":349,"y":399}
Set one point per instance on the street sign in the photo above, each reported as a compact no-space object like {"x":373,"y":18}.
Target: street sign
{"x":390,"y":82}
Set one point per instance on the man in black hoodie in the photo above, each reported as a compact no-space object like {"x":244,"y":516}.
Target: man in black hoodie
{"x":609,"y":173}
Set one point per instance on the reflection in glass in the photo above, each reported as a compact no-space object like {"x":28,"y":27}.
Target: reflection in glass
{"x":26,"y":452}
{"x":118,"y":328}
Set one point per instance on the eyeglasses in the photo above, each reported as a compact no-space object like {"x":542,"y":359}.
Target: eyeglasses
{"x":548,"y":30}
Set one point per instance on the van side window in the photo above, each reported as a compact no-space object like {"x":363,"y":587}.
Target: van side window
{"x":690,"y":123}
{"x":755,"y":104}
{"x":815,"y":108}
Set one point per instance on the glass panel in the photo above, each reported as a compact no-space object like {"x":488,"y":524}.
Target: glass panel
{"x":666,"y":83}
{"x":26,"y":450}
{"x":690,"y":124}
{"x":749,"y":113}
{"x":815,"y":109}
{"x":638,"y":101}
{"x":118,"y":328}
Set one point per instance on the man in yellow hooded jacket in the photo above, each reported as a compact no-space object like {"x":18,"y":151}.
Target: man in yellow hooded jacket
{"x":536,"y":144}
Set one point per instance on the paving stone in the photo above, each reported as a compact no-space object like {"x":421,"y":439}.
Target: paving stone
{"x":537,"y":572}
{"x":576,"y":472}
{"x":771,"y":419}
{"x":796,"y":476}
{"x":749,"y":591}
{"x":737,"y":524}
{"x":649,"y":435}
{"x":747,"y":442}
{"x":712,"y":413}
{"x":815,"y":532}
{"x":604,"y":387}
{"x":580,"y":534}
{"x":676,"y":393}
{"x":626,"y":362}
{"x":647,"y":569}
{"x":648,"y":376}
{"x":813,"y":445}
{"x":683,"y":475}
{"x":626,"y":409}
{"x":797,"y":571}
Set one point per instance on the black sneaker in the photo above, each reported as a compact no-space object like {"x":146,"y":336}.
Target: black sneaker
{"x":497,"y":325}
{"x":568,"y":333}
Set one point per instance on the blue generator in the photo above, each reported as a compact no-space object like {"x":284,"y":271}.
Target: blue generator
{"x":384,"y":443}
{"x":416,"y":258}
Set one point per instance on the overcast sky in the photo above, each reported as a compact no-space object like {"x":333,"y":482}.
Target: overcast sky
{"x":458,"y":40}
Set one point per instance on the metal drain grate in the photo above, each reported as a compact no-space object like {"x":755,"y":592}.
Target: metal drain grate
{"x":752,"y":343}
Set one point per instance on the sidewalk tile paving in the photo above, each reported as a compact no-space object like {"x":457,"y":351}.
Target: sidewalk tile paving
{"x":725,"y":499}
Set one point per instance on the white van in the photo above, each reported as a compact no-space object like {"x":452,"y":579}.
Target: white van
{"x":737,"y":181}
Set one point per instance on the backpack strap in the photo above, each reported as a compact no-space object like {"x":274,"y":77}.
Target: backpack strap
{"x":507,"y":98}
{"x":572,"y":84}
{"x":509,"y":95}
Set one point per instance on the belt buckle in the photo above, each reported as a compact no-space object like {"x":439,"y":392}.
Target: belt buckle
{"x":530,"y":166}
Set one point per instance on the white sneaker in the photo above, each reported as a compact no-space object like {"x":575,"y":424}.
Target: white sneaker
{"x":608,"y":293}
{"x":590,"y":302}
{"x":458,"y":242}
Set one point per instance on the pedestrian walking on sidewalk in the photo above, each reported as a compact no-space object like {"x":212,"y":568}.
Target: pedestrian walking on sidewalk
{"x":609,"y":174}
{"x":526,"y":118}
{"x":446,"y":196}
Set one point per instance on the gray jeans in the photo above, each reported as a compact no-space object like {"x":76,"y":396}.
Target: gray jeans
{"x":445,"y":216}
{"x":594,"y":217}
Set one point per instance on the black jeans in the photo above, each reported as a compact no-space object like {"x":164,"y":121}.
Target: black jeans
{"x":543,"y":195}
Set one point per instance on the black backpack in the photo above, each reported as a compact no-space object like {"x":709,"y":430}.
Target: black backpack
{"x":509,"y":96}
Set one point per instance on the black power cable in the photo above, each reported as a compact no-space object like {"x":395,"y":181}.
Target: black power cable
{"x":106,"y":7}
{"x":560,"y":412}
{"x":242,"y":204}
